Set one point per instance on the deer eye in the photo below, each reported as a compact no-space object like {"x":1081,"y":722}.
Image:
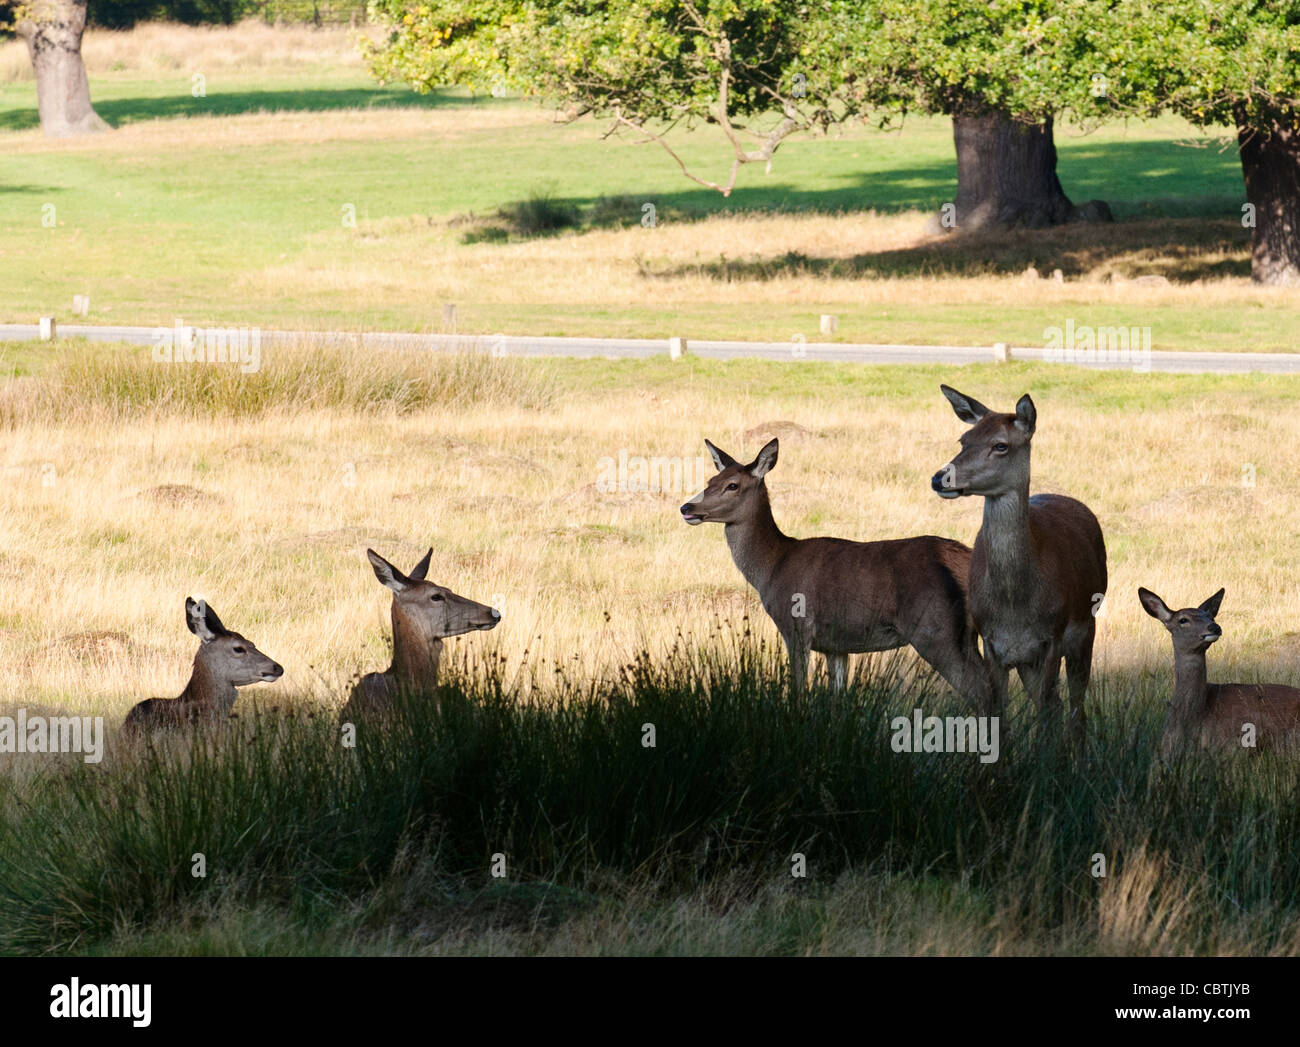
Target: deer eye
{"x":732,"y":486}
{"x":1000,"y":448}
{"x":239,"y":650}
{"x":1183,"y":621}
{"x":436,"y":597}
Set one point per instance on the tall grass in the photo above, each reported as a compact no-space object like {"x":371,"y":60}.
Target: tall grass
{"x":123,"y":383}
{"x":739,"y":780}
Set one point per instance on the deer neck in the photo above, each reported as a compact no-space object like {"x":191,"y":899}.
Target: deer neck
{"x":1008,"y":546}
{"x":1187,"y":706}
{"x":416,"y":652}
{"x":206,"y":689}
{"x":756,"y":543}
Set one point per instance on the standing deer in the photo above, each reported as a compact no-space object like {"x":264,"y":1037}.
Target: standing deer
{"x":1038,"y":566}
{"x":424,"y":615}
{"x":840,"y":597}
{"x":224,"y":661}
{"x":1217,"y":713}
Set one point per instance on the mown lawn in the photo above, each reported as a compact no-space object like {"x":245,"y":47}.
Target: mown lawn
{"x":237,"y":207}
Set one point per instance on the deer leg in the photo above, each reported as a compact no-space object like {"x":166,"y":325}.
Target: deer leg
{"x":1041,"y":680}
{"x":1078,"y":671}
{"x":961,"y":667}
{"x":837,"y":668}
{"x":997,"y":677}
{"x":798,"y":663}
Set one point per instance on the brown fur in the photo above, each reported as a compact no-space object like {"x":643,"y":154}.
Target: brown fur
{"x":857,"y":596}
{"x":422,"y":615}
{"x":1214,"y":714}
{"x":1038,"y":565}
{"x":224,"y":662}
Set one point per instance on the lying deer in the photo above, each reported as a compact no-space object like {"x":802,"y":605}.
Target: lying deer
{"x":224,"y":661}
{"x":1038,"y":566}
{"x":424,"y":615}
{"x":1217,"y":713}
{"x":840,"y":597}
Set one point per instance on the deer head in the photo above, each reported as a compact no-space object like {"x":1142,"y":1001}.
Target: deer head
{"x":423,"y":611}
{"x":733,"y":493}
{"x":994,"y":458}
{"x":228,"y":657}
{"x":1192,"y":629}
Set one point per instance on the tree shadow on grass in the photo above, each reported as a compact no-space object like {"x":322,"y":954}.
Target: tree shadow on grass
{"x":1181,"y":250}
{"x":120,"y":111}
{"x":1179,"y":212}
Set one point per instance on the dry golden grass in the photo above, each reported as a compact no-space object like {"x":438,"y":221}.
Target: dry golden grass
{"x":105,"y":529}
{"x":155,"y":48}
{"x":677,"y":264}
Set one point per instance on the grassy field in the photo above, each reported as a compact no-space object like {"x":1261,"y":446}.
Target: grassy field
{"x":129,"y":487}
{"x":236,"y":207}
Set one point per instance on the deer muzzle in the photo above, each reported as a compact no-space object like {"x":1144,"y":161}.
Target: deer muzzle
{"x":942,"y":483}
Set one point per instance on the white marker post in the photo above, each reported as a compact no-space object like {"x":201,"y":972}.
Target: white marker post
{"x":49,"y":329}
{"x":676,"y":348}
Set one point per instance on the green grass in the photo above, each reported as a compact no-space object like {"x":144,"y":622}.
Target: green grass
{"x":1159,"y":167}
{"x":313,"y":847}
{"x":184,"y":227}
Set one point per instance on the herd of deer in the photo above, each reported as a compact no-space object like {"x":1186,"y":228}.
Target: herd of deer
{"x":1028,"y":591}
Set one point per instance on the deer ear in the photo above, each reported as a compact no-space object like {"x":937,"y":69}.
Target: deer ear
{"x":1211,"y":606}
{"x":203,"y":620}
{"x":422,"y":568}
{"x":968,"y":409}
{"x":1154,"y":605}
{"x":1026,"y":415}
{"x":387,"y":574}
{"x":720,"y":457}
{"x":762,"y":465}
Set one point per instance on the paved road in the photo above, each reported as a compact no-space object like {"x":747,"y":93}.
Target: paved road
{"x":615,"y":348}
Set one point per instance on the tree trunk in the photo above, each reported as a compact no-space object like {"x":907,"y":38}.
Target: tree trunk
{"x":1270,"y":162}
{"x":52,"y":29}
{"x":1006,"y":175}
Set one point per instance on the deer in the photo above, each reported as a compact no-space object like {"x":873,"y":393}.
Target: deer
{"x":840,"y":597}
{"x":225,"y":661}
{"x":1216,"y":714}
{"x":423,"y":615}
{"x":1037,"y":568}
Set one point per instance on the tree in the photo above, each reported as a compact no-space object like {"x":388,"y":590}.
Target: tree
{"x":648,"y":65}
{"x":1234,"y":62}
{"x":52,"y":30}
{"x":762,"y":71}
{"x":1003,"y":70}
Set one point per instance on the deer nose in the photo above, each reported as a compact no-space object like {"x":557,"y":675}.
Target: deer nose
{"x":936,"y":481}
{"x":277,"y":670}
{"x":688,"y":509}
